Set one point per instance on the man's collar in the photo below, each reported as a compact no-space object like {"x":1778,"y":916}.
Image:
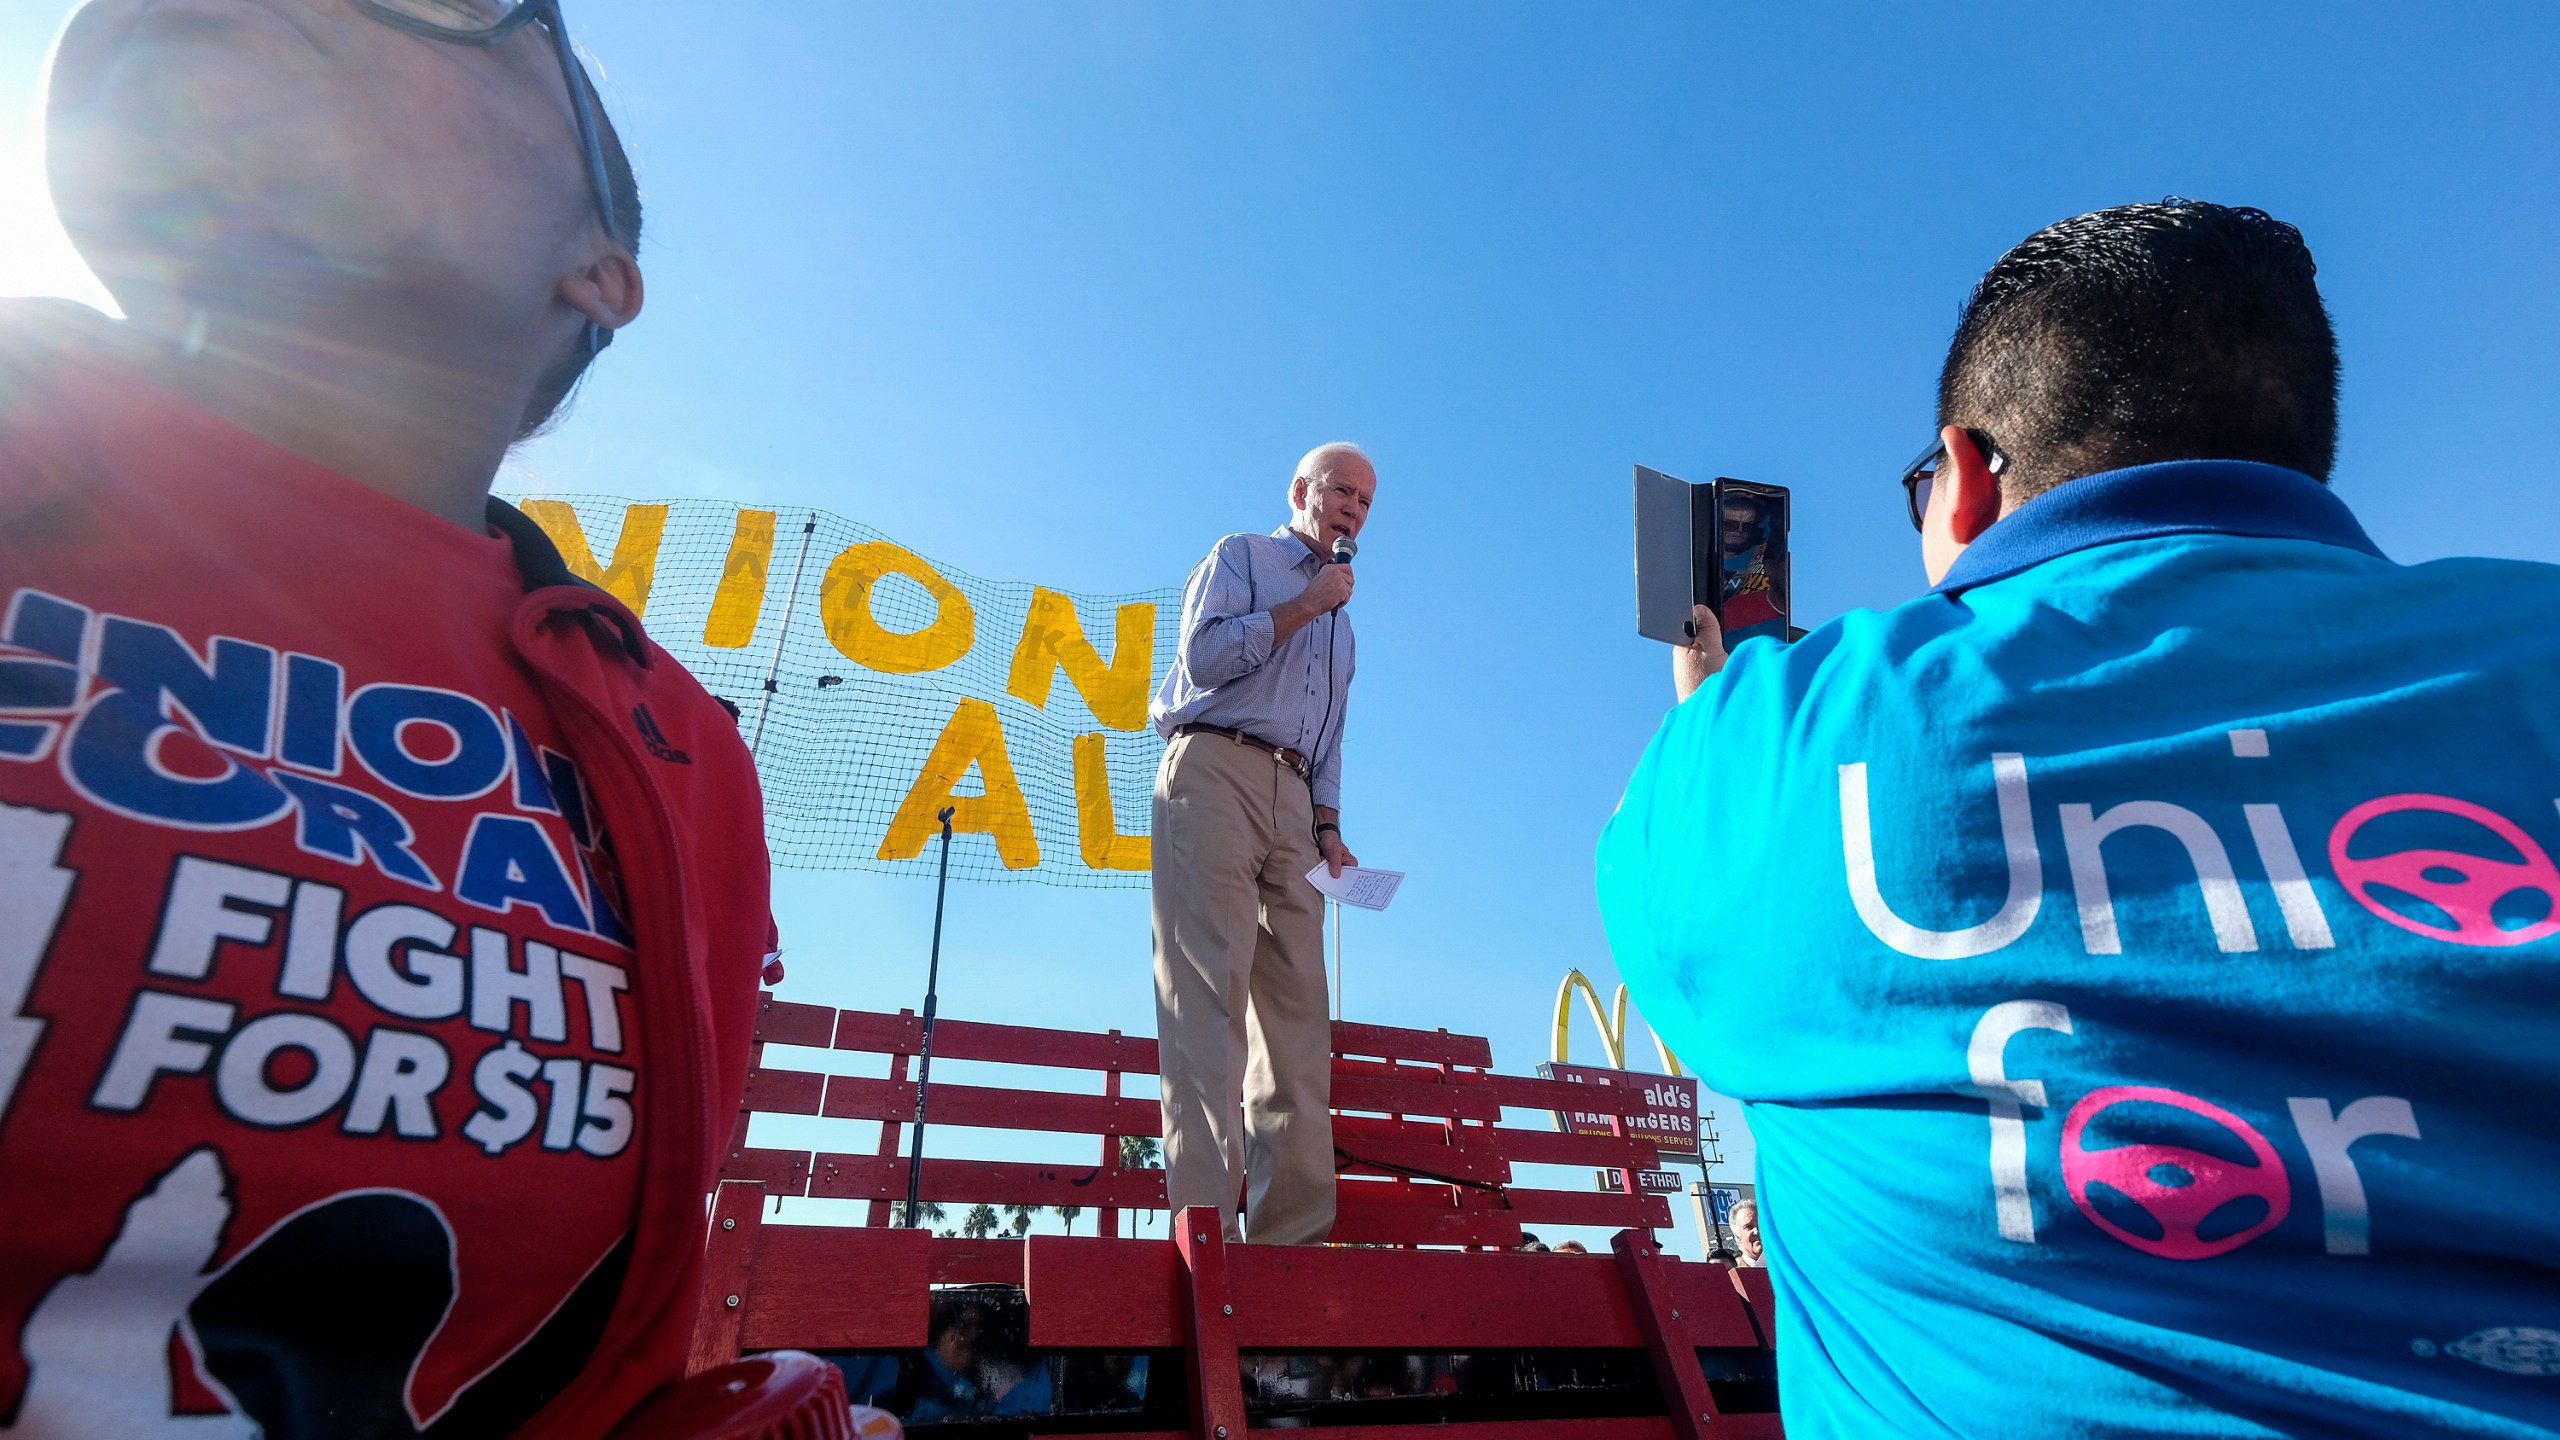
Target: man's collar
{"x":1306,"y":552}
{"x":2176,"y":497}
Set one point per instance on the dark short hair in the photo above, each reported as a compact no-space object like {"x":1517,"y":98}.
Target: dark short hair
{"x":2177,"y":331}
{"x":561,"y":381}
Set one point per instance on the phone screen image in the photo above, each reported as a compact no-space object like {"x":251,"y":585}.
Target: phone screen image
{"x":1751,"y":561}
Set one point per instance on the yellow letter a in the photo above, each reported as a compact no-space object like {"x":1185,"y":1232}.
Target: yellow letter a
{"x":1097,"y":832}
{"x":975,"y":736}
{"x":1053,"y":640}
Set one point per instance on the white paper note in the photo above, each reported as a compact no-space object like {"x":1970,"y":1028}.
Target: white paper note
{"x":1368,"y":889}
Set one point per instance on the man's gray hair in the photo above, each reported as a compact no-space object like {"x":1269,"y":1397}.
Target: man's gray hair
{"x":1316,"y":463}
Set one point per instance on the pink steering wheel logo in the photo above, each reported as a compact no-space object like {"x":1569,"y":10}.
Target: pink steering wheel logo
{"x":2178,"y":1188}
{"x":2465,"y":887}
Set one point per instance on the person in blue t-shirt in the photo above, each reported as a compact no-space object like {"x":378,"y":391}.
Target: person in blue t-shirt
{"x":2139,"y":956}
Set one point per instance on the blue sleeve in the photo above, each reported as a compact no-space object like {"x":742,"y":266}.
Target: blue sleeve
{"x":1223,"y":636}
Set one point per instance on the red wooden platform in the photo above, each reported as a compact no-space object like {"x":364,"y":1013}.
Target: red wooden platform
{"x":1427,"y":1163}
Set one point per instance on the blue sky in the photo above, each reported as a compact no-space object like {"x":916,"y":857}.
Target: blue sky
{"x":1058,"y":293}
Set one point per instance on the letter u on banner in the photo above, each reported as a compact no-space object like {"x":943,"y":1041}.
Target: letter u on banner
{"x":844,"y":605}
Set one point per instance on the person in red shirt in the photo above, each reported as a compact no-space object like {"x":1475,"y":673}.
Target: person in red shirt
{"x":381,"y":913}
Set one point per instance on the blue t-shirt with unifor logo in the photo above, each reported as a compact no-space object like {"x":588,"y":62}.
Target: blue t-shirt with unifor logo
{"x":2139,"y":960}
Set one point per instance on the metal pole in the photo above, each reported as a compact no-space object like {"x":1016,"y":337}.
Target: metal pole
{"x":1336,"y":907}
{"x":789,"y":603}
{"x":932,"y":996}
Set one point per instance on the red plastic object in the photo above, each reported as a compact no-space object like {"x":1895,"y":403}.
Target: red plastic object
{"x":782,"y":1395}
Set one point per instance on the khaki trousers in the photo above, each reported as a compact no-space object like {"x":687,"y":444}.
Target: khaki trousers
{"x":1241,"y":1020}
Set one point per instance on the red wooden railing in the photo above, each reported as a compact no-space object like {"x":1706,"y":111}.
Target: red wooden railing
{"x":1428,"y":1163}
{"x":1427,"y":1160}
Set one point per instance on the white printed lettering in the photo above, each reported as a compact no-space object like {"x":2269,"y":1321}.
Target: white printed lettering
{"x":497,"y":987}
{"x":2017,"y":835}
{"x":199,"y":915}
{"x":2082,"y":836}
{"x":608,"y":1111}
{"x":398,"y":1081}
{"x":311,"y":942}
{"x":2303,"y":918}
{"x":154,"y":1042}
{"x":560,"y":1123}
{"x":1991,"y":1036}
{"x":2346,"y":1223}
{"x":604,"y":985}
{"x":498,"y":1079}
{"x":387,"y":938}
{"x":247,"y":1090}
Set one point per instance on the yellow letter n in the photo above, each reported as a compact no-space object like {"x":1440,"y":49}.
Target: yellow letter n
{"x":974,"y":736}
{"x":1053,"y":640}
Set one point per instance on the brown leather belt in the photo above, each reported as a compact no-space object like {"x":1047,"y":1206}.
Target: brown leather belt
{"x":1281,"y":753}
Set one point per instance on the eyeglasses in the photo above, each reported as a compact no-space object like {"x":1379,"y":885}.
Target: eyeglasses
{"x":1921,"y":475}
{"x":482,"y":23}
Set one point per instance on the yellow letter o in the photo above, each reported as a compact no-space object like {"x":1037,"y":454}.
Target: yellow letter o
{"x":844,"y":606}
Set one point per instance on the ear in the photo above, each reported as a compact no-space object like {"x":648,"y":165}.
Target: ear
{"x":607,"y":289}
{"x":1962,"y":504}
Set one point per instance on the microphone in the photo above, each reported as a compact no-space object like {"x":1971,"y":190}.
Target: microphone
{"x":1343,"y":549}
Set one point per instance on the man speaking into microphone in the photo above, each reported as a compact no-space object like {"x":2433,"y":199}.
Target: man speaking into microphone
{"x":1248,"y":800}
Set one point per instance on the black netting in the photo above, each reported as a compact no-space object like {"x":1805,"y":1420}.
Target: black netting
{"x":840,"y":743}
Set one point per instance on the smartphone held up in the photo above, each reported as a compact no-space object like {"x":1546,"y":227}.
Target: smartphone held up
{"x":1722,"y":544}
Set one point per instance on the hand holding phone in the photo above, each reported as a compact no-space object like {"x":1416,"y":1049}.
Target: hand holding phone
{"x":1721,"y":545}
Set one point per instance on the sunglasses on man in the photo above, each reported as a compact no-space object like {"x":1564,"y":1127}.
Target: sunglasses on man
{"x":1921,"y":475}
{"x":482,"y":23}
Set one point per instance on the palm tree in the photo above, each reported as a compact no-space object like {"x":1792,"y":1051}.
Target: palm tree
{"x":1140,"y":1152}
{"x":926,"y":1208}
{"x":981,"y":1223}
{"x":1068,"y":1213}
{"x":1021,"y":1215}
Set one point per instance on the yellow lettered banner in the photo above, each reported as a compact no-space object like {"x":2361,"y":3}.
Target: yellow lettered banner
{"x":878,"y":687}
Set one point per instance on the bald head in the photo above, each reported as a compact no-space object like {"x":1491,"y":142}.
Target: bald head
{"x":1330,"y":493}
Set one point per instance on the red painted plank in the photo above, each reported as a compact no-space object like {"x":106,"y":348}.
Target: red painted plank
{"x":874,"y":1177}
{"x":974,"y":1262}
{"x":784,"y":1172}
{"x":1101,"y":1294}
{"x":1633,"y":1427}
{"x":1753,"y":1282}
{"x":728,"y":1267}
{"x":1305,"y":1299}
{"x":1711,"y":1310}
{"x":1731,"y":1426}
{"x":1524,"y":1092}
{"x":1217,"y":1385}
{"x":787,"y":1022}
{"x":1556,"y":1147}
{"x":899,"y":1034}
{"x":1412,"y":1097}
{"x":1590,"y":1207}
{"x":856,"y":1097}
{"x":1437,"y":1046}
{"x":823,"y":1287}
{"x":1357,"y":1224}
{"x":1368,"y":1155}
{"x":783,"y":1092}
{"x":1379,"y":1126}
{"x":902,"y":1034}
{"x":1675,"y":1363}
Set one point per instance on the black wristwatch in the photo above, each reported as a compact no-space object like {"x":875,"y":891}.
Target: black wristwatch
{"x":1328,"y":825}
